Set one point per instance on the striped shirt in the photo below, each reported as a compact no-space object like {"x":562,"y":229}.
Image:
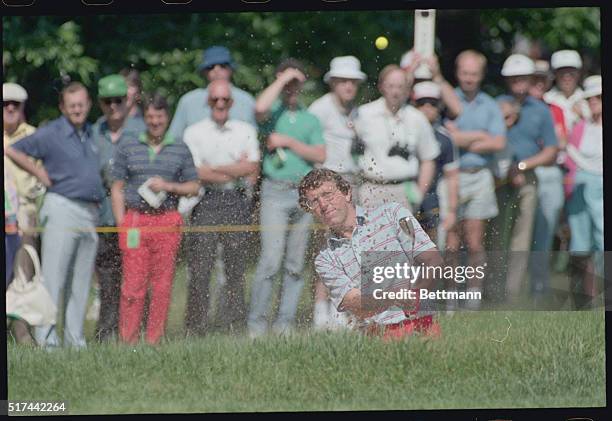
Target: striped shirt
{"x":135,"y":161}
{"x":377,"y":230}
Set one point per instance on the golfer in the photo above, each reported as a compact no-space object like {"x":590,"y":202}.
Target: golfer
{"x":355,"y":231}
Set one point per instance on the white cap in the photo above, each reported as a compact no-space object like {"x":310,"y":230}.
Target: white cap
{"x":426,"y":90}
{"x":592,"y":86}
{"x":518,"y":65}
{"x":421,"y":72}
{"x":13,"y":92}
{"x":565,"y":58}
{"x":347,"y":67}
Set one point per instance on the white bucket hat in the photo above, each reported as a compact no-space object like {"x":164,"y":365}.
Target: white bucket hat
{"x":592,"y":86}
{"x":518,"y":65}
{"x":346,"y":67}
{"x":566,"y":58}
{"x":14,"y":92}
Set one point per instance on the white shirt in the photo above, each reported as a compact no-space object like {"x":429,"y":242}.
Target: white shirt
{"x":337,"y":133}
{"x":555,"y":96}
{"x":380,"y":131}
{"x":589,"y":156}
{"x":211,"y":144}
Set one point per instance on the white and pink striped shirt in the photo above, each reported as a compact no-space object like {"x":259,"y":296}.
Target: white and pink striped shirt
{"x":377,"y":230}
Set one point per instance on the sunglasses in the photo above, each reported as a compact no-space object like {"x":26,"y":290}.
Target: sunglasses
{"x":431,"y":101}
{"x":224,"y":65}
{"x":219,"y":98}
{"x":114,"y":100}
{"x":13,"y":103}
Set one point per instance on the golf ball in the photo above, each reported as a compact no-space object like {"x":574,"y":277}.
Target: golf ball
{"x":381,"y":42}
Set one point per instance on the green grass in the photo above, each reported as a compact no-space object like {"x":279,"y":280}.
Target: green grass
{"x":549,"y":359}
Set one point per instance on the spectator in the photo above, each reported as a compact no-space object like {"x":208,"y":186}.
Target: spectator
{"x":410,"y":62}
{"x":294,"y":142}
{"x":70,"y":208}
{"x":478,"y":132}
{"x":29,"y":190}
{"x":336,"y":111}
{"x":585,"y":206}
{"x":134,"y":92}
{"x":440,"y":201}
{"x":217,"y":63}
{"x":111,"y":129}
{"x":12,"y":240}
{"x":550,"y":190}
{"x":533,"y":143}
{"x":400,"y":145}
{"x":567,"y":93}
{"x":225,"y":152}
{"x":149,"y":172}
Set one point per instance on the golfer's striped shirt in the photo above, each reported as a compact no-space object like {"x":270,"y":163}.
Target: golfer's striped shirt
{"x":378,"y":229}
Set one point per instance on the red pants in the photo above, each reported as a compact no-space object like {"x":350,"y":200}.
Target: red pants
{"x":425,"y":325}
{"x":152,"y":262}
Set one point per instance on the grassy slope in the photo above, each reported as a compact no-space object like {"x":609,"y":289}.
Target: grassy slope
{"x":551,"y":359}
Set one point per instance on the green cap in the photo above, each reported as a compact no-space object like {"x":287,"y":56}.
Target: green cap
{"x":112,"y":86}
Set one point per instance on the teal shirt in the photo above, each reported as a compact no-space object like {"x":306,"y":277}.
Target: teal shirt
{"x":299,"y":124}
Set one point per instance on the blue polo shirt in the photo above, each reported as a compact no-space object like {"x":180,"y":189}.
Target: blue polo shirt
{"x":482,"y":113}
{"x":135,"y":162}
{"x":70,"y":158}
{"x":193,"y":107}
{"x":101,"y":134}
{"x":533,"y":131}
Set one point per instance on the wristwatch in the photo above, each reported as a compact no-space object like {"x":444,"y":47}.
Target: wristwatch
{"x":522,"y":166}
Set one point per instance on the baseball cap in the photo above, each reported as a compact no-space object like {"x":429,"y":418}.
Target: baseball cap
{"x":426,"y":90}
{"x":13,"y":92}
{"x":565,"y":58}
{"x":518,"y":65}
{"x":347,"y":67}
{"x":112,"y":86}
{"x":592,"y":86}
{"x":216,"y":55}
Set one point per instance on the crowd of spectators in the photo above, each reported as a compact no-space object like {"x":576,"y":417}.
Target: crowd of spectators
{"x":112,"y":199}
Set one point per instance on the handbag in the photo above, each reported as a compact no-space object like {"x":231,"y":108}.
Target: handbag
{"x":29,"y":299}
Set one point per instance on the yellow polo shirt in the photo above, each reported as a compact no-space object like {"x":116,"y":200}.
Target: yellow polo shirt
{"x":28,"y":186}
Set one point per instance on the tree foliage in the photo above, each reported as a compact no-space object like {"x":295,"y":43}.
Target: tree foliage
{"x":42,"y":52}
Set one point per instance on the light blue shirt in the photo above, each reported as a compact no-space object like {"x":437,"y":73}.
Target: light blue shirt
{"x":193,"y":107}
{"x":482,"y":113}
{"x":533,"y":131}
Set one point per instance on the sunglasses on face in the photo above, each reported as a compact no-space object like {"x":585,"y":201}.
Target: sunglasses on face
{"x":431,"y":101}
{"x":13,"y":103}
{"x":224,"y":65}
{"x":219,"y":98}
{"x":115,"y":100}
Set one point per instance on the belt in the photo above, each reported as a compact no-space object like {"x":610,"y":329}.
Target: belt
{"x":151,"y":211}
{"x":394,"y":182}
{"x":473,"y":170}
